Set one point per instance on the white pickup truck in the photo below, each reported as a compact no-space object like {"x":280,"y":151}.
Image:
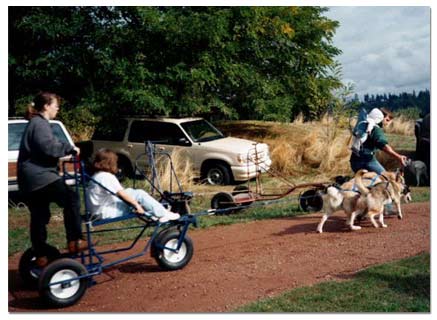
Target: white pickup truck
{"x":216,"y":159}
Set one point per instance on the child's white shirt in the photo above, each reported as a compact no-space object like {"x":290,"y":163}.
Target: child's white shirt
{"x":101,"y":201}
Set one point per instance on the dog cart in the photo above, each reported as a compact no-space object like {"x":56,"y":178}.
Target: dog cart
{"x":244,"y":196}
{"x":67,"y":277}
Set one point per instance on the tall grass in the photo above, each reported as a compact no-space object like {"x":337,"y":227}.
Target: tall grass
{"x":402,"y":126}
{"x":182,"y":167}
{"x":317,"y":148}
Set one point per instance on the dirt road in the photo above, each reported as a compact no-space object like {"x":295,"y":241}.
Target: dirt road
{"x":237,"y":264}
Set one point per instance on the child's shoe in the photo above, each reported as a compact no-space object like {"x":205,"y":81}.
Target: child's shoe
{"x":169,"y":216}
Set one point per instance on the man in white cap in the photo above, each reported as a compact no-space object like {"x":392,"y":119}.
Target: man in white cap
{"x":376,"y":140}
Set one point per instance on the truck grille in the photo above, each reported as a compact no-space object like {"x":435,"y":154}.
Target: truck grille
{"x":258,"y":154}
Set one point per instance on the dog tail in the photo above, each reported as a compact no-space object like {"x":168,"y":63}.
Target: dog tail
{"x":359,"y":182}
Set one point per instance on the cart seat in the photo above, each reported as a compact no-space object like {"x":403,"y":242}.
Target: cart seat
{"x":96,"y":221}
{"x":186,"y":195}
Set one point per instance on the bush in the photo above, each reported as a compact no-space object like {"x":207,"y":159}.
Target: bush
{"x":80,"y":122}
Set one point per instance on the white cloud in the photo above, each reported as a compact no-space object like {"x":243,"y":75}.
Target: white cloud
{"x":385,"y":49}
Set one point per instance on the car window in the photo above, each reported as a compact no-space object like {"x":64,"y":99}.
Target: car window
{"x":16,"y":130}
{"x":202,"y":130}
{"x":110,"y":131}
{"x":58,"y":132}
{"x":157,"y":132}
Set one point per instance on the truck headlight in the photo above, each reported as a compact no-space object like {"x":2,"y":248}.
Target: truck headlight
{"x":242,"y":158}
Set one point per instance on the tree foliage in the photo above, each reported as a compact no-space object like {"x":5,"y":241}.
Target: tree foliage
{"x":268,"y":63}
{"x":411,"y":105}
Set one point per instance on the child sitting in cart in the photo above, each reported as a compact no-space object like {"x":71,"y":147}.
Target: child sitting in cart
{"x":108,"y":199}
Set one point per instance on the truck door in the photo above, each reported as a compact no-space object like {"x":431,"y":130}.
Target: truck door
{"x":164,"y":135}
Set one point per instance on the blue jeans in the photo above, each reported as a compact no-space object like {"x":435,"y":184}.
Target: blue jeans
{"x":370,"y":165}
{"x":150,"y":204}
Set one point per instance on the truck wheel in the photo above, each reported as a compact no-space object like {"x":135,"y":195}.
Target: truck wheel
{"x":169,"y":259}
{"x":218,"y":174}
{"x":28,"y":269}
{"x":69,"y":289}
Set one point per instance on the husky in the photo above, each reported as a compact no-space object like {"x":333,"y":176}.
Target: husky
{"x":375,"y":198}
{"x":346,"y":196}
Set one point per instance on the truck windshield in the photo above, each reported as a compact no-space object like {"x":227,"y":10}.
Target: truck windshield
{"x":201,"y":131}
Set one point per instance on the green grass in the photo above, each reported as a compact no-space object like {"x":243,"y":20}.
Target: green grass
{"x":402,"y":142}
{"x":420,"y":194}
{"x":400,"y":286}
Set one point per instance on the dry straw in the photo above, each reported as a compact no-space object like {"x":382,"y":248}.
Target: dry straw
{"x":318,"y":149}
{"x":182,"y":167}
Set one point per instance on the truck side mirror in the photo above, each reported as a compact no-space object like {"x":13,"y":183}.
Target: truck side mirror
{"x":184,"y":142}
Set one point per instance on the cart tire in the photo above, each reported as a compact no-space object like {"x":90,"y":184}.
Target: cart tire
{"x":170,"y":260}
{"x":311,"y":200}
{"x":63,"y":294}
{"x":27,"y":266}
{"x":154,"y":250}
{"x":223,"y":200}
{"x":240,"y":189}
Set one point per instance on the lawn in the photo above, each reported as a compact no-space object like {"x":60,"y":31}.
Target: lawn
{"x":399,"y":286}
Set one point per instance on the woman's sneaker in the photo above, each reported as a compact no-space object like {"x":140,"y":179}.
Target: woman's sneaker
{"x":169,"y":216}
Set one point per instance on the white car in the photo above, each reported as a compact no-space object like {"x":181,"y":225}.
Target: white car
{"x":15,"y":132}
{"x":216,"y":159}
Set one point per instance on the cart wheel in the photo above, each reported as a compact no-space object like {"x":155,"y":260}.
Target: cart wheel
{"x":311,"y":200}
{"x":154,"y":250}
{"x":168,"y":259}
{"x":70,"y":290}
{"x":27,"y":267}
{"x":240,"y":189}
{"x":223,"y":200}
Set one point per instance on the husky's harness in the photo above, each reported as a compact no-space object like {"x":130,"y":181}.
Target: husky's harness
{"x":355,"y":189}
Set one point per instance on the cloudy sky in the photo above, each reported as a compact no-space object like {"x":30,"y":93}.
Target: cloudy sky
{"x":385,"y":49}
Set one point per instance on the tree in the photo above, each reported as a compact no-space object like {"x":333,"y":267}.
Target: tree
{"x":241,"y":62}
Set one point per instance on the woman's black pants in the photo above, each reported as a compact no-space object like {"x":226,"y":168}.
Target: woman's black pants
{"x":39,"y":206}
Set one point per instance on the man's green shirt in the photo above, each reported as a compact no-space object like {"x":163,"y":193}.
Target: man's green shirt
{"x":375,"y":141}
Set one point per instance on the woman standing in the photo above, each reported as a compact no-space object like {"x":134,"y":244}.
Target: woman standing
{"x":39,"y":180}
